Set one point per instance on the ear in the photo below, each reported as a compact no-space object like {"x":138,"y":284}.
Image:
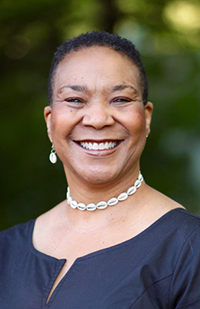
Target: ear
{"x":148,"y":110}
{"x":47,"y":116}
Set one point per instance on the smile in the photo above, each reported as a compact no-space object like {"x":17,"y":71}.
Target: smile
{"x":98,"y":146}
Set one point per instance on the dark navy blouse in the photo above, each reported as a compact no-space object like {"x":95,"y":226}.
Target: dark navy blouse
{"x":159,"y":268}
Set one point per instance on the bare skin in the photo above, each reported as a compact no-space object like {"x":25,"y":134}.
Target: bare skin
{"x":98,"y":99}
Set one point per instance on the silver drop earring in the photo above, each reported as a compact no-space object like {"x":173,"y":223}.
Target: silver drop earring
{"x":53,"y":156}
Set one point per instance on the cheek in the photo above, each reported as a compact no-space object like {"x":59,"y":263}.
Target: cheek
{"x":60,"y":121}
{"x":136,"y":121}
{"x":63,"y":121}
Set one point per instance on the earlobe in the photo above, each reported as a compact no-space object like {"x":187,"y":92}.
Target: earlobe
{"x":148,"y":110}
{"x":47,"y":116}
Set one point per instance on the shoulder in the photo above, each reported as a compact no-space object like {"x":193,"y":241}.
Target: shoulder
{"x":18,"y":229}
{"x":180,"y":224}
{"x":188,"y":231}
{"x":15,"y":237}
{"x":180,"y":232}
{"x":184,"y":220}
{"x":176,"y":232}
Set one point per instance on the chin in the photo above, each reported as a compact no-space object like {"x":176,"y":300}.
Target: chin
{"x":99,"y":178}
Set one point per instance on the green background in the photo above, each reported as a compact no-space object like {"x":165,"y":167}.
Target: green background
{"x":167,"y":33}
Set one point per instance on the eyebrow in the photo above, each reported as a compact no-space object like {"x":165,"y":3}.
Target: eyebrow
{"x":122,"y":87}
{"x":84,"y":89}
{"x":75,"y":88}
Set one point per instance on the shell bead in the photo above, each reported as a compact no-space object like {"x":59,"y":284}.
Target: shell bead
{"x":81,"y":206}
{"x":131,"y":190}
{"x":69,"y":200}
{"x":137,"y":184}
{"x":140,"y":177}
{"x":91,"y":207}
{"x":123,"y":196}
{"x":113,"y":201}
{"x":73,"y":204}
{"x":102,"y":205}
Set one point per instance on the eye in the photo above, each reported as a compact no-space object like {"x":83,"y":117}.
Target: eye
{"x":75,"y":101}
{"x":121,"y":100}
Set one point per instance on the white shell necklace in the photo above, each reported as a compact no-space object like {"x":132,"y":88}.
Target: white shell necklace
{"x":102,"y":205}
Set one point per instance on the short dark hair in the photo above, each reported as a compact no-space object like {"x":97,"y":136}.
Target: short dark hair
{"x":106,"y":39}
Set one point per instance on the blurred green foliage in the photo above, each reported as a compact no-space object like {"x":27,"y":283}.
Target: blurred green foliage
{"x":167,"y":33}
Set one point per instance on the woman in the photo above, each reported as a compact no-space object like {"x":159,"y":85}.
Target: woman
{"x":114,"y":242}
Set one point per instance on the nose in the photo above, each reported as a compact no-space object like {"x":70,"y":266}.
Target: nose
{"x":98,"y":116}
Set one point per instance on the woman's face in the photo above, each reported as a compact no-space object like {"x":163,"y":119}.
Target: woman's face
{"x":97,"y":122}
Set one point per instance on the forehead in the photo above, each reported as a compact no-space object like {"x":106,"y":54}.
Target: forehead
{"x":96,"y":62}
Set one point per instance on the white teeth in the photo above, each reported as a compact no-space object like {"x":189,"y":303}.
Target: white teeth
{"x":101,"y":146}
{"x":95,"y":146}
{"x":98,"y":146}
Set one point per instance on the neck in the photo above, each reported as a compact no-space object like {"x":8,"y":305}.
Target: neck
{"x":87,"y":191}
{"x":104,"y":204}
